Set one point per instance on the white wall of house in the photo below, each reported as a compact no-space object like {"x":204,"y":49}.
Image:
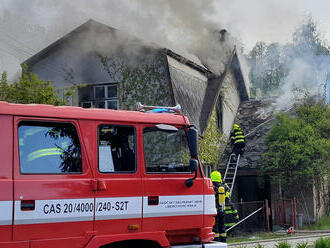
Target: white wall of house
{"x":230,"y":102}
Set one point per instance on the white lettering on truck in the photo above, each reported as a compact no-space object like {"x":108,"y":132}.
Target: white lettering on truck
{"x":69,"y":210}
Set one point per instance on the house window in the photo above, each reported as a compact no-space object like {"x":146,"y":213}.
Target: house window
{"x":99,"y":92}
{"x":219,"y":114}
{"x":87,"y":104}
{"x":100,"y":104}
{"x":102,"y":96}
{"x":112,"y":104}
{"x":112,"y":91}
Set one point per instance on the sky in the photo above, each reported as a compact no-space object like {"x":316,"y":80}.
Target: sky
{"x":272,"y":20}
{"x":27,"y":26}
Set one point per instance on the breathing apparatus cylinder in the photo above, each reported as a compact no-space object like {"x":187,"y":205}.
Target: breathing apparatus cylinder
{"x":222,"y":197}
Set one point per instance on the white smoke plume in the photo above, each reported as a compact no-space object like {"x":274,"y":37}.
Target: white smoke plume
{"x":306,"y":77}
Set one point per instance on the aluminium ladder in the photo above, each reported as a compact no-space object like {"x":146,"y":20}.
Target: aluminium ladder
{"x":230,"y":173}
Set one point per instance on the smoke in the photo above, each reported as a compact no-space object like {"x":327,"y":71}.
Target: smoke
{"x":306,"y":77}
{"x":184,"y":26}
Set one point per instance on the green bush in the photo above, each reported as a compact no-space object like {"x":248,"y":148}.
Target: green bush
{"x":259,"y":246}
{"x":322,"y":243}
{"x":283,"y":244}
{"x":302,"y":245}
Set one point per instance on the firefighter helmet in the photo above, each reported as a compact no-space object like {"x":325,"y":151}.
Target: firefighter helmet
{"x":216,"y":176}
{"x":236,"y":126}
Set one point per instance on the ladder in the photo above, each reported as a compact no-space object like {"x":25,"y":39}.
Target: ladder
{"x":230,"y":173}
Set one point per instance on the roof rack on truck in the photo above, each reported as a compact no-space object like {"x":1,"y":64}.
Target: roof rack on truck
{"x":158,"y":109}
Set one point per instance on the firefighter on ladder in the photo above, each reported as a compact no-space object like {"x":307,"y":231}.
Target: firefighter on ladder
{"x":237,"y":140}
{"x":219,"y":190}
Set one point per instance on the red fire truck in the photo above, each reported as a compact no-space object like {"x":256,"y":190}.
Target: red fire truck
{"x":73,"y":177}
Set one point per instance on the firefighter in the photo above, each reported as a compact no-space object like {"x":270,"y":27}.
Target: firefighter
{"x":237,"y":140}
{"x":231,"y":214}
{"x":219,"y":189}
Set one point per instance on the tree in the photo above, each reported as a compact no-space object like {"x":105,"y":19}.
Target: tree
{"x":299,"y":147}
{"x":274,"y":65}
{"x":307,"y":38}
{"x":209,"y":145}
{"x":30,"y":89}
{"x":266,"y":67}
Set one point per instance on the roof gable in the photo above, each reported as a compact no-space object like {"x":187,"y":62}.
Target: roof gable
{"x":82,"y":28}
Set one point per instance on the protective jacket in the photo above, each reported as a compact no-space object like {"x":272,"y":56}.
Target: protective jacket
{"x":237,"y":136}
{"x":231,"y":215}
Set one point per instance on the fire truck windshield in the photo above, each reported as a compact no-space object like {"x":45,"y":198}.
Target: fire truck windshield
{"x":166,"y":151}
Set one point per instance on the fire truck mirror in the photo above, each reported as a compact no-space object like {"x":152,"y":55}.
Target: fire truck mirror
{"x":193,"y":141}
{"x":193,"y":164}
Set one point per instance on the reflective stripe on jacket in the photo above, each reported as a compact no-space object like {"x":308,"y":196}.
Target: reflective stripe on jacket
{"x":237,"y":136}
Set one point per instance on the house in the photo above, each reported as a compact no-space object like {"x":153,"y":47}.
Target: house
{"x":119,"y":70}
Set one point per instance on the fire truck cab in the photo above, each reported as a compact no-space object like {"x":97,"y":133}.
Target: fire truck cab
{"x":73,"y":177}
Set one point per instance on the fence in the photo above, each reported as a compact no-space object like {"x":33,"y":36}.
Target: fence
{"x":259,"y":221}
{"x":285,"y":212}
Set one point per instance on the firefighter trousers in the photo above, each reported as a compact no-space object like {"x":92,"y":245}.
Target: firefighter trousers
{"x":219,"y":227}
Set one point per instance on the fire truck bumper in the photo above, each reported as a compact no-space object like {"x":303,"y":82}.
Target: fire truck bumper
{"x":206,"y":245}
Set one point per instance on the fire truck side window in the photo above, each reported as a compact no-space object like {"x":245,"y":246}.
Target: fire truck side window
{"x":49,"y":148}
{"x":116,"y":146}
{"x":166,"y":151}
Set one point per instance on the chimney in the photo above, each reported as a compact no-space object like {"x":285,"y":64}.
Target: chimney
{"x":222,"y":34}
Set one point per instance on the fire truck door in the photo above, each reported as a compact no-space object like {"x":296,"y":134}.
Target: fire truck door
{"x":6,"y":183}
{"x":168,"y":204}
{"x":53,"y":197}
{"x":118,"y":203}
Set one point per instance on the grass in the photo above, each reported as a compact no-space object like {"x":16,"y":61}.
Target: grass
{"x":254,"y":237}
{"x":283,"y":244}
{"x":324,"y":224}
{"x":322,"y":243}
{"x":302,"y":245}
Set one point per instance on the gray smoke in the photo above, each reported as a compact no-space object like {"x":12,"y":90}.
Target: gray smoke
{"x":184,"y":26}
{"x":306,"y":77}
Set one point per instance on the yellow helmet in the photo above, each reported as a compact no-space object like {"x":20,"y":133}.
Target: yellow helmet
{"x":216,"y":176}
{"x":236,"y":126}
